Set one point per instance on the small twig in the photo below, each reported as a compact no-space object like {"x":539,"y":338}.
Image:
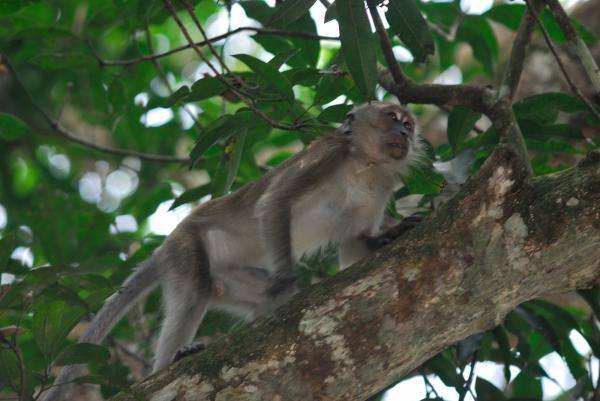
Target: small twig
{"x":514,"y":67}
{"x":225,"y":68}
{"x":264,"y":31}
{"x":249,"y":103}
{"x":467,"y":385}
{"x":428,"y":386}
{"x":565,"y":74}
{"x":67,"y":135}
{"x":450,"y":36}
{"x":578,"y":45}
{"x":11,"y":343}
{"x":161,"y":73}
{"x":386,"y":46}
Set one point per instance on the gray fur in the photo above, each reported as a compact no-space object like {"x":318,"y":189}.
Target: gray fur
{"x":238,"y":252}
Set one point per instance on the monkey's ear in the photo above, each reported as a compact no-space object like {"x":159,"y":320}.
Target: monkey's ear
{"x":347,"y":125}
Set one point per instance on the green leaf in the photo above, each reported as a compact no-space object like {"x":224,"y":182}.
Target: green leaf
{"x":276,"y":45}
{"x":206,"y":88}
{"x":12,"y":127}
{"x":9,"y":369}
{"x":191,"y":195}
{"x":289,"y":11}
{"x":63,"y":293}
{"x":544,"y":108}
{"x":442,"y":366}
{"x":540,"y":325}
{"x":310,"y":48}
{"x":592,"y":297}
{"x":477,"y":32}
{"x":425,"y":181}
{"x":52,"y":322}
{"x":82,"y":353}
{"x":357,"y":45}
{"x":178,"y":95}
{"x":408,"y":23}
{"x":303,"y":76}
{"x":527,"y":386}
{"x":508,"y":15}
{"x":280,"y":59}
{"x":501,"y":338}
{"x":258,"y":10}
{"x":330,"y":87}
{"x":210,"y":134}
{"x":230,"y":164}
{"x":269,"y":74}
{"x":486,"y":391}
{"x":557,"y":34}
{"x":334,"y":114}
{"x":331,"y":13}
{"x":223,"y":128}
{"x":64,"y":61}
{"x":461,"y":121}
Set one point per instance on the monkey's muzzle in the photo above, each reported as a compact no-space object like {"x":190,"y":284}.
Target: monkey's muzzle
{"x":397,"y":148}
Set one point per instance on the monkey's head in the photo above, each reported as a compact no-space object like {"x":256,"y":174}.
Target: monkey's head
{"x":385,"y":132}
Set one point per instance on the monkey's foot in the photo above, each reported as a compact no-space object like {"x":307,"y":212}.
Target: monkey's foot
{"x":188,"y":350}
{"x":405,"y":225}
{"x":280,"y":282}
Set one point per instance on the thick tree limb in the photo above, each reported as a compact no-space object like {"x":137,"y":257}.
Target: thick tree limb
{"x":505,"y":239}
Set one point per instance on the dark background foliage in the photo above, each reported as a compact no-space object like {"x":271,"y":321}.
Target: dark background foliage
{"x":85,"y":162}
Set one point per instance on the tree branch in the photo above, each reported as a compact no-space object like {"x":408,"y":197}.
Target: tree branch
{"x":264,"y":31}
{"x":514,"y":67}
{"x":247,"y":101}
{"x":577,"y":44}
{"x":349,"y":336}
{"x":71,"y":137}
{"x":386,"y":46}
{"x":576,"y":91}
{"x":478,"y":98}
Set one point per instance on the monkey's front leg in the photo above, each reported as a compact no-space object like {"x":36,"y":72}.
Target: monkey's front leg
{"x":391,"y":234}
{"x":275,"y":226}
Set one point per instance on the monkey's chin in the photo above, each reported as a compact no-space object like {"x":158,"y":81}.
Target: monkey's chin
{"x":397,"y":152}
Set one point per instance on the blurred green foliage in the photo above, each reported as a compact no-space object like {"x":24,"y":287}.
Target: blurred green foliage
{"x":75,"y":220}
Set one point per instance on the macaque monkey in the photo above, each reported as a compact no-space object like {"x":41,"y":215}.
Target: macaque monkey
{"x":238,"y":252}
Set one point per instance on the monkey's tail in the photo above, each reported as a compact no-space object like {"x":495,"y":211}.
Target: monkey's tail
{"x":143,"y":280}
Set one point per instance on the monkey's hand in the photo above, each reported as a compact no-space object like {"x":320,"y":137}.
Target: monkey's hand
{"x":394,"y":232}
{"x":188,"y":350}
{"x":280,"y":282}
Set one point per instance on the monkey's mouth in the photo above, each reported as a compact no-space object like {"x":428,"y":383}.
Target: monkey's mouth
{"x":397,"y":150}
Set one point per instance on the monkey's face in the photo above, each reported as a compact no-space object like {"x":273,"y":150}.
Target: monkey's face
{"x":384,"y":130}
{"x":399,"y":131}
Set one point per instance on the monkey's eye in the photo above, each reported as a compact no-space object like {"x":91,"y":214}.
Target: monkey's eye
{"x":393,"y":116}
{"x":407,"y":124}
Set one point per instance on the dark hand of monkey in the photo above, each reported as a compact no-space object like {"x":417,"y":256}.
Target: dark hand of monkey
{"x":279,"y":282}
{"x":394,"y":232}
{"x":188,"y":350}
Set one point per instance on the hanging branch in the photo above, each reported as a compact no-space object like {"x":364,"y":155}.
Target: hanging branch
{"x":576,"y":91}
{"x":248,"y":102}
{"x":264,"y":31}
{"x":577,"y":44}
{"x":386,"y":46}
{"x":514,"y":67}
{"x":71,"y":137}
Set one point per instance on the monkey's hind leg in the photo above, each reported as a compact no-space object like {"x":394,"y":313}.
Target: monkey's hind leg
{"x":185,"y":305}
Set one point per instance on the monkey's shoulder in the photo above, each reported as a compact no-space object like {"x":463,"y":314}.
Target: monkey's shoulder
{"x":297,"y":174}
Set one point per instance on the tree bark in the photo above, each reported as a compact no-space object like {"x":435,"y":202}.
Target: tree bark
{"x":503,"y":240}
